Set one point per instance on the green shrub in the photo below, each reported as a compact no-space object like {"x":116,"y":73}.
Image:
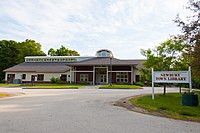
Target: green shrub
{"x":3,"y":81}
{"x":139,"y":83}
{"x":123,"y":83}
{"x":55,"y":80}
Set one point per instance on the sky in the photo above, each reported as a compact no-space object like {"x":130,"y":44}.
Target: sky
{"x":122,"y":26}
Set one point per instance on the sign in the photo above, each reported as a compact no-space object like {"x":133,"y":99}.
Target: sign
{"x":171,"y":77}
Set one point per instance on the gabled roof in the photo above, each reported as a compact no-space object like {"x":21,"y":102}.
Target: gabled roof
{"x":56,"y":67}
{"x":39,"y":67}
{"x":106,"y":61}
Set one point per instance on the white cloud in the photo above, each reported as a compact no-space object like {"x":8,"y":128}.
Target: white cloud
{"x":123,"y":26}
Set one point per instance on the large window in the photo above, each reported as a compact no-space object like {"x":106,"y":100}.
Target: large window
{"x":122,"y":77}
{"x":40,"y":77}
{"x":83,"y":77}
{"x":63,"y":77}
{"x":23,"y":76}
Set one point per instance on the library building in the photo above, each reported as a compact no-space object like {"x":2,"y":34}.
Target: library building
{"x":100,"y":69}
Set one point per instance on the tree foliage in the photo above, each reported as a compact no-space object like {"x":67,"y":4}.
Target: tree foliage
{"x":169,"y":55}
{"x":8,"y":54}
{"x":62,"y":51}
{"x":12,"y":53}
{"x":191,"y":26}
{"x":29,"y":48}
{"x":191,"y":33}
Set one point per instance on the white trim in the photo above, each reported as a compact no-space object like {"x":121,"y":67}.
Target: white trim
{"x":131,"y":74}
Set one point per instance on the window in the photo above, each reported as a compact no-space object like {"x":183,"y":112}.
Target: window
{"x":10,"y":77}
{"x":122,"y":77}
{"x":40,"y":77}
{"x":83,"y":77}
{"x":63,"y":77}
{"x":103,"y":53}
{"x":23,"y":76}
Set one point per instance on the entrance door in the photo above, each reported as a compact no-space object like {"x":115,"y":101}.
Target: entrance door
{"x":10,"y":78}
{"x":102,"y":78}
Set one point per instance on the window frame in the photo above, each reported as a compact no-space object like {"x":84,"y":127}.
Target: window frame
{"x":23,"y":76}
{"x":39,"y":76}
{"x":63,"y":77}
{"x":122,"y":77}
{"x":84,"y":77}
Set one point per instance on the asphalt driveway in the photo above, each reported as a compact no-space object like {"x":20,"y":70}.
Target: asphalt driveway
{"x":81,"y":111}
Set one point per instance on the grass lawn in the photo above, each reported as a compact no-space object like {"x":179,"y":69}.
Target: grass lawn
{"x":7,"y":85}
{"x":45,"y":86}
{"x":115,"y":86}
{"x":3,"y":95}
{"x":53,"y":86}
{"x":170,"y":105}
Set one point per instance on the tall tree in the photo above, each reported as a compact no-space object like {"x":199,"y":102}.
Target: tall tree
{"x":29,"y":48}
{"x":8,"y":54}
{"x":191,"y":32}
{"x":12,"y":53}
{"x":62,"y":51}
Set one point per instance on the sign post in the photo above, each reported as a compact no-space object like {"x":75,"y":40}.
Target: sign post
{"x":171,"y":77}
{"x":152,"y":84}
{"x":190,"y":78}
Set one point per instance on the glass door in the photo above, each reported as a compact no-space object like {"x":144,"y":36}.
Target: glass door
{"x":102,"y":78}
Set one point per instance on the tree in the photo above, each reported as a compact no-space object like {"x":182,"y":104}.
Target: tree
{"x":29,"y":48}
{"x":8,"y":54}
{"x":169,"y":55}
{"x":191,"y":26}
{"x":62,"y":51}
{"x":13,"y":53}
{"x":191,"y":33}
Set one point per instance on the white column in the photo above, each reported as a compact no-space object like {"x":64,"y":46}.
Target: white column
{"x":70,"y":81}
{"x":75,"y":75}
{"x":107,"y":75}
{"x":93,"y":75}
{"x":6,"y":76}
{"x":131,"y":74}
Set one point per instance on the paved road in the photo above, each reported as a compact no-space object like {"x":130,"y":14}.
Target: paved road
{"x":81,"y":111}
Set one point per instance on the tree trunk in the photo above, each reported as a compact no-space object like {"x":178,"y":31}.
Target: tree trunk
{"x":164,"y":89}
{"x":180,"y":88}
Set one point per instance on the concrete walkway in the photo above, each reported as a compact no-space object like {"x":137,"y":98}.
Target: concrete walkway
{"x":82,"y":111}
{"x":91,"y":87}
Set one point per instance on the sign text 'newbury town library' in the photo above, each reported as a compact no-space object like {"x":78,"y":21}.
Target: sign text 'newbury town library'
{"x":171,"y":77}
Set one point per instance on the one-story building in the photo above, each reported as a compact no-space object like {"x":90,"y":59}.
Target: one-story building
{"x":76,"y":69}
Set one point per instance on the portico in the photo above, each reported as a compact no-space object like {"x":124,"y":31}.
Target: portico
{"x":98,"y":75}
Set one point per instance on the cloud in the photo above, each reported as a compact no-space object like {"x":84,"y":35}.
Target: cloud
{"x":123,"y":26}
